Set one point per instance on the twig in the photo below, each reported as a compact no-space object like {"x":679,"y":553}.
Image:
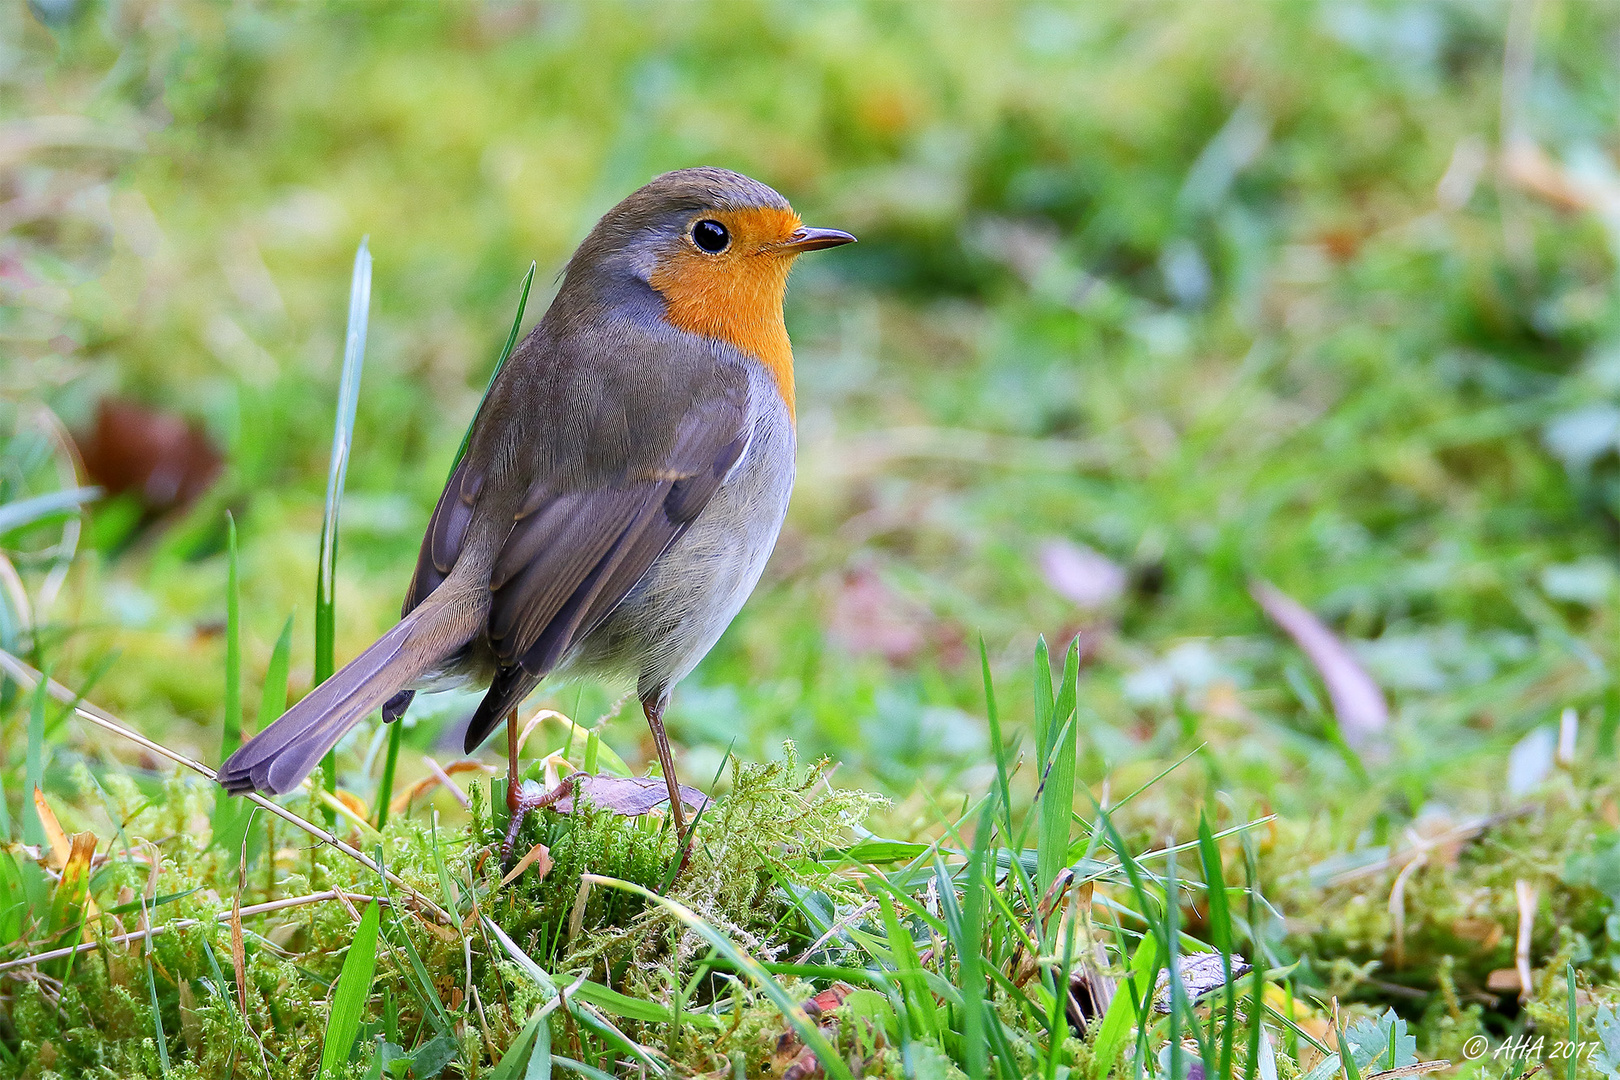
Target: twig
{"x":1528,"y":899}
{"x":446,"y":782}
{"x":1417,"y":1068}
{"x":29,"y":678}
{"x":148,"y":932}
{"x":428,"y":783}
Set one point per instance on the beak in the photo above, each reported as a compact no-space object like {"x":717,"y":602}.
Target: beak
{"x":808,"y":239}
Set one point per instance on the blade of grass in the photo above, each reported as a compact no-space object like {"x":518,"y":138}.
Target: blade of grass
{"x":1257,"y":1010}
{"x":1347,"y":1056}
{"x":273,"y":700}
{"x":1572,"y":1040}
{"x":792,"y":1011}
{"x":342,"y":436}
{"x":966,"y":931}
{"x":385,"y":786}
{"x":1220,"y":929}
{"x":1122,"y":1011}
{"x":231,"y":737}
{"x":1178,"y":988}
{"x":1057,"y":789}
{"x":15,"y":515}
{"x":993,"y":717}
{"x":517,"y":1062}
{"x":33,"y":828}
{"x":151,"y":992}
{"x":1172,"y":956}
{"x":908,"y":968}
{"x":506,"y":352}
{"x":1043,"y":700}
{"x":353,"y":988}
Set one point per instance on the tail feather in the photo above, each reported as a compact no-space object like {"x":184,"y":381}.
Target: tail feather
{"x":276,"y":760}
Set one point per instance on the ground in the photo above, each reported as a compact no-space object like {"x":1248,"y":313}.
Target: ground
{"x":1151,"y":304}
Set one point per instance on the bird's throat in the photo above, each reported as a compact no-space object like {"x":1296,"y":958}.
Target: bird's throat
{"x":739,"y":303}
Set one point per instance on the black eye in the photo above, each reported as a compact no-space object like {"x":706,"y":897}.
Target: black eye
{"x":711,"y":236}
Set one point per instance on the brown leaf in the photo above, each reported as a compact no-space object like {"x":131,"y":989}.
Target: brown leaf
{"x":1486,"y":932}
{"x":239,"y":953}
{"x":1358,"y":703}
{"x":163,"y":459}
{"x":627,"y":796}
{"x":57,"y":839}
{"x":1503,"y":981}
{"x":791,"y":1059}
{"x":537,"y":854}
{"x":355,"y":803}
{"x":74,"y":887}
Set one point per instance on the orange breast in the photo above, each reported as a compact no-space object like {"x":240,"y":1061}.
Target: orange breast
{"x":736,"y":296}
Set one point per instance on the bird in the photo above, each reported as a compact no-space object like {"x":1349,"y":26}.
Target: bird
{"x":623,"y":484}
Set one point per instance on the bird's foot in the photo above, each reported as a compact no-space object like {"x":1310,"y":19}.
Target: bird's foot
{"x":530,"y":796}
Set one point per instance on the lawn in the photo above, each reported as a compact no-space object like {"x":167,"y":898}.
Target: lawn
{"x":1270,"y":353}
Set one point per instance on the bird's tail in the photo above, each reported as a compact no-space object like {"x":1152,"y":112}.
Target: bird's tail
{"x":276,"y":760}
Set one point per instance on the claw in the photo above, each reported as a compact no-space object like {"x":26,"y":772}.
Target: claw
{"x":529,"y":797}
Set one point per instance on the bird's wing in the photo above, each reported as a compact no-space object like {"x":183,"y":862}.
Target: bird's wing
{"x":605,"y":482}
{"x":573,"y":556}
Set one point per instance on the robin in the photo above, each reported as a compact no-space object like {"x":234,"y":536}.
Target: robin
{"x":624,"y":482}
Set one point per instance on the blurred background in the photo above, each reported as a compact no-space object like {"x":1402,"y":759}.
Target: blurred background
{"x":1152,"y":302}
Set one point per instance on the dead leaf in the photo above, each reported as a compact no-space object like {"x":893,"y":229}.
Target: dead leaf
{"x":1532,"y":169}
{"x":1503,"y":981}
{"x":1486,"y":932}
{"x":163,"y":459}
{"x":791,"y":1059}
{"x":538,"y":854}
{"x":73,"y":890}
{"x":239,"y":952}
{"x":627,"y":796}
{"x":1358,"y":703}
{"x":355,"y":803}
{"x":54,"y":836}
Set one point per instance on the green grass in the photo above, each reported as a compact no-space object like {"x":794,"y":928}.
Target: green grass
{"x":1217,"y":293}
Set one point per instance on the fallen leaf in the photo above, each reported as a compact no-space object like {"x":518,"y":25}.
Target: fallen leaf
{"x":1486,"y":932}
{"x":791,"y":1059}
{"x":354,"y":802}
{"x":628,"y":796}
{"x":538,"y":854}
{"x":60,"y":847}
{"x":1358,"y":703}
{"x":1503,"y":981}
{"x":163,"y":459}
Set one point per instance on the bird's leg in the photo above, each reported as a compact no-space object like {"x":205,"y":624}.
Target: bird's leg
{"x":513,"y":801}
{"x":528,"y":803}
{"x":654,"y":709}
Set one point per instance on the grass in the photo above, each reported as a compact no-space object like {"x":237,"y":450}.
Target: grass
{"x":1319,"y":294}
